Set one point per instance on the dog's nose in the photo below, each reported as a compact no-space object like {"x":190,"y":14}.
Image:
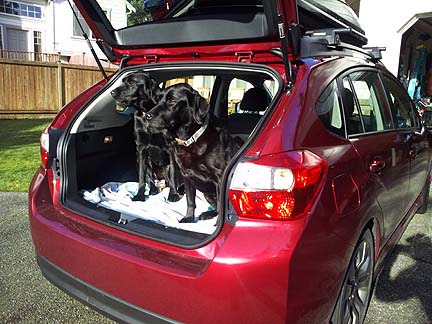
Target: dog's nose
{"x":148,"y":116}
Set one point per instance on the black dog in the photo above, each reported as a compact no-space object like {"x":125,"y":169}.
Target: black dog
{"x":141,"y":91}
{"x":202,"y":146}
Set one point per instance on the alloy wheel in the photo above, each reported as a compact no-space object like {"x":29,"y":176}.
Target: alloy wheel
{"x":356,"y":290}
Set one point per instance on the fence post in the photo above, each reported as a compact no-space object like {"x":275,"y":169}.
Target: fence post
{"x":60,"y":90}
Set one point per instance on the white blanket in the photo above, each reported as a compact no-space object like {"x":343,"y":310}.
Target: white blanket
{"x":118,"y":196}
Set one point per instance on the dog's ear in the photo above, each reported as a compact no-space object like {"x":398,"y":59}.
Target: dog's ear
{"x":201,"y":108}
{"x":155,"y":90}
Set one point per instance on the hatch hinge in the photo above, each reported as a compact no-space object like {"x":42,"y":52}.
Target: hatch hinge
{"x":149,"y":59}
{"x":244,"y":57}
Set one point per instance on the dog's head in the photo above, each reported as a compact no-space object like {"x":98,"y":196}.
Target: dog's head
{"x":179,"y":105}
{"x":137,"y":89}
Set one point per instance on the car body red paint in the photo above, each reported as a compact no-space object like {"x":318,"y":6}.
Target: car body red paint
{"x":252,"y":270}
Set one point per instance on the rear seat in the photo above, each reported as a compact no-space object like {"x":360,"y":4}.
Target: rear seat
{"x":254,"y":101}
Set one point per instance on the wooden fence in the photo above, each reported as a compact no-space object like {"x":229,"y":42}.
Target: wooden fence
{"x":30,"y":89}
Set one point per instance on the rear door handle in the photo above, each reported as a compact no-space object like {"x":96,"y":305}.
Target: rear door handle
{"x":403,"y":138}
{"x":377,"y":166}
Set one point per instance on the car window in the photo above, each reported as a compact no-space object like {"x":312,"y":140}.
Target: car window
{"x":400,"y":103}
{"x":427,"y":118}
{"x":351,"y":109}
{"x":202,"y":83}
{"x":329,"y":110}
{"x":236,"y":91}
{"x":375,"y":115}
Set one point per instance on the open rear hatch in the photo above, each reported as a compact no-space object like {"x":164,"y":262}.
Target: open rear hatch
{"x":186,"y":29}
{"x":208,"y":44}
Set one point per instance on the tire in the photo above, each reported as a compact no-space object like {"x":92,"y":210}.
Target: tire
{"x":425,"y":197}
{"x":355,"y":294}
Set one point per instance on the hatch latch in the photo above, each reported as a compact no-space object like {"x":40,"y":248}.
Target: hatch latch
{"x":148,"y":59}
{"x":244,"y":57}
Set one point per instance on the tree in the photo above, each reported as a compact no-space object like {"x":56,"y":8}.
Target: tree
{"x":140,"y":15}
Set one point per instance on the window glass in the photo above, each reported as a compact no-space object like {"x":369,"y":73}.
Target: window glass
{"x":236,"y":91}
{"x":371,"y":98}
{"x":76,"y":26}
{"x":351,"y":110}
{"x":201,"y":83}
{"x":401,"y":104}
{"x":329,"y":110}
{"x":21,"y":9}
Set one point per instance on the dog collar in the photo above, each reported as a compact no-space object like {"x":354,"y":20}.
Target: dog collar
{"x":196,"y":135}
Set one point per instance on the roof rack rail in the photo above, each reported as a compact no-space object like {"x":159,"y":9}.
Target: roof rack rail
{"x":331,"y":35}
{"x":375,"y":51}
{"x":318,"y":42}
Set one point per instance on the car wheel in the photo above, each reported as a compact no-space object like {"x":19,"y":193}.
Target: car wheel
{"x":356,"y":290}
{"x":425,"y":197}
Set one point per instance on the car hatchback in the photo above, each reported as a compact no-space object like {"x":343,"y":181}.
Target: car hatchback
{"x":333,"y":167}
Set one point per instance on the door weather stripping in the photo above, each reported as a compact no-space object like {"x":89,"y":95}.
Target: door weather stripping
{"x":89,"y":44}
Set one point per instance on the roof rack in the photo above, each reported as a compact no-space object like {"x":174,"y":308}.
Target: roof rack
{"x":376,"y":52}
{"x":319,"y":42}
{"x":331,"y":35}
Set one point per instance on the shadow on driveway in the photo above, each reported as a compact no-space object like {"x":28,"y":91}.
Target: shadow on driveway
{"x":403,"y":291}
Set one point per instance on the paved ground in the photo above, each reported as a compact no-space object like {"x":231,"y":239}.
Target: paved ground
{"x":403,"y":294}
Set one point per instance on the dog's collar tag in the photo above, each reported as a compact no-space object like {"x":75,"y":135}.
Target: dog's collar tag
{"x":196,"y":135}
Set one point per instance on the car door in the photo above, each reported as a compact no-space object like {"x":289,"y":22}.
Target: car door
{"x":370,"y":127}
{"x":408,"y":125}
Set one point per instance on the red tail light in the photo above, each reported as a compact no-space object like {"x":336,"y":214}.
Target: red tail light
{"x":44,"y":147}
{"x":279,"y":187}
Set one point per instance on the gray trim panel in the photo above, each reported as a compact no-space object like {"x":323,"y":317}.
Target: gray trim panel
{"x":106,"y":304}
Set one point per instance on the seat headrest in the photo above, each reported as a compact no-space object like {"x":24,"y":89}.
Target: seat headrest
{"x":255,"y":99}
{"x":349,"y":102}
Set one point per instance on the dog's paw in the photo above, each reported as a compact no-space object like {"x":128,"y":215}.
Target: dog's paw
{"x":140,"y":198}
{"x":208,"y":214}
{"x":188,"y":220}
{"x":174,"y":197}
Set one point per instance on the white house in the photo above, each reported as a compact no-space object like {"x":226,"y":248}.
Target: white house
{"x":22,"y":25}
{"x":405,"y":29}
{"x":50,"y":27}
{"x":386,"y":21}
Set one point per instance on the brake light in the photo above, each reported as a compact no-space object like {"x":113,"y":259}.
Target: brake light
{"x":44,"y":147}
{"x":278,"y":187}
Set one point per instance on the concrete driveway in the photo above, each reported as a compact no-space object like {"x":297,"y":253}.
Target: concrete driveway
{"x":403,"y":293}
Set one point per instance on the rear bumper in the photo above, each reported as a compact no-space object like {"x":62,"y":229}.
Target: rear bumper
{"x":106,"y":304}
{"x":239,"y":277}
{"x":253,"y":272}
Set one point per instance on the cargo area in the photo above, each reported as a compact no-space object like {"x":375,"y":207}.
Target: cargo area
{"x":99,"y":172}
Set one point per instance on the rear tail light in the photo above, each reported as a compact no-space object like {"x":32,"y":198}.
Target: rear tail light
{"x":278,"y":187}
{"x":44,"y":147}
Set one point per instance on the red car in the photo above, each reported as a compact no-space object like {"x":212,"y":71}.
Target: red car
{"x":334,"y":166}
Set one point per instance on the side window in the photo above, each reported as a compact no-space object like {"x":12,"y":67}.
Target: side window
{"x":329,"y":110}
{"x":400,"y":103}
{"x":370,"y":95}
{"x":202,"y":83}
{"x":236,"y":91}
{"x":351,"y":110}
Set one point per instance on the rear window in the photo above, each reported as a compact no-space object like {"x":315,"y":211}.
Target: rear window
{"x":134,"y":12}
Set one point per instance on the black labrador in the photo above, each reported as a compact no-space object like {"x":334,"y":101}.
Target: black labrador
{"x":202,"y":145}
{"x":141,"y":91}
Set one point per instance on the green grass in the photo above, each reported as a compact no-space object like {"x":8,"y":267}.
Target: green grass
{"x":19,"y":152}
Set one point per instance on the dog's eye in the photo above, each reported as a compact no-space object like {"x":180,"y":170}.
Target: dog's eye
{"x":171,"y":102}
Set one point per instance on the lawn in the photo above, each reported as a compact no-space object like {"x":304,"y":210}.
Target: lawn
{"x":19,"y":152}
